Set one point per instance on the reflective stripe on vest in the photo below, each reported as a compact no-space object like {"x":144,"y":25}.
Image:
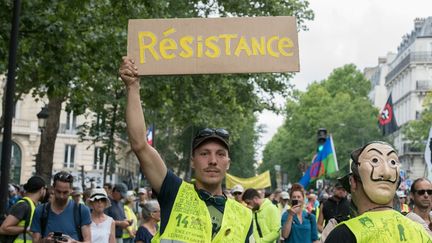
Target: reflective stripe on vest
{"x":20,"y":237}
{"x":190,"y":220}
{"x":129,"y":215}
{"x":386,"y":226}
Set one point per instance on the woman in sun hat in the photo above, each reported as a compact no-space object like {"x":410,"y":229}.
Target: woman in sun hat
{"x":102,"y":226}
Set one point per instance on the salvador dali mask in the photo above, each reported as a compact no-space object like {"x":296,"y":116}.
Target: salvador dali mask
{"x":379,"y":169}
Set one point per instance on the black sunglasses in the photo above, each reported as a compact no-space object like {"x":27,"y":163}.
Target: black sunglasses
{"x":422,"y":192}
{"x":210,"y":131}
{"x":63,"y":176}
{"x":218,"y":200}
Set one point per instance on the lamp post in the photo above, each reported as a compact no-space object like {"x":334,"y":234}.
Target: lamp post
{"x":42,"y":119}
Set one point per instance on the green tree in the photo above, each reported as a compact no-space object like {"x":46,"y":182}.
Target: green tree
{"x":417,"y":131}
{"x":69,"y":52}
{"x":339,"y":104}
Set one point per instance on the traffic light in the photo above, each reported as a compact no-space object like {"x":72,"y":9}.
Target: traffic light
{"x":321,"y":138}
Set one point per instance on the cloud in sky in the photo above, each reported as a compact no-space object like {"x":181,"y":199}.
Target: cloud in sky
{"x":348,"y":31}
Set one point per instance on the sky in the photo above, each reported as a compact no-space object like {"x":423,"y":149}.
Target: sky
{"x":347,"y":31}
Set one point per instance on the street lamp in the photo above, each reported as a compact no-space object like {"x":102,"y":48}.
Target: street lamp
{"x":42,"y":117}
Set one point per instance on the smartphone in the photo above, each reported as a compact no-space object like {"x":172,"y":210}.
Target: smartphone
{"x":58,"y":234}
{"x":294,"y":202}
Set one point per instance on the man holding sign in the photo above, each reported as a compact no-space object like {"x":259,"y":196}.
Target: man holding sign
{"x":197,"y":212}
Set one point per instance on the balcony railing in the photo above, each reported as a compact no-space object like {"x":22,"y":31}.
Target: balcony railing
{"x":413,"y":57}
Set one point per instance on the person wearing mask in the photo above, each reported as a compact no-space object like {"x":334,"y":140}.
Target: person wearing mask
{"x":373,"y":182}
{"x":17,"y":224}
{"x":102,"y":227}
{"x":116,"y":210}
{"x":217,"y":218}
{"x":337,"y":207}
{"x":61,"y":215}
{"x":150,"y":219}
{"x":130,"y":231}
{"x":421,"y":195}
{"x":266,"y":216}
{"x":298,"y":225}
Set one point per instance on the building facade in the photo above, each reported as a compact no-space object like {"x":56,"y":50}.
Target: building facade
{"x":70,"y":154}
{"x":407,"y":75}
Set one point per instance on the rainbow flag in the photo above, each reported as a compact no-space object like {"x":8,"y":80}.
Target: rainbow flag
{"x":323,"y":163}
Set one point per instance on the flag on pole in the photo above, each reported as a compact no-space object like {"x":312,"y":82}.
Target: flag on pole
{"x":323,"y":163}
{"x":387,"y":119}
{"x":428,"y":155}
{"x":150,"y":132}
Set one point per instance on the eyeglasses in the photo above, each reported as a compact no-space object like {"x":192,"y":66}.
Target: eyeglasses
{"x":63,"y":176}
{"x":218,"y":200}
{"x":236,"y":193}
{"x":206,"y":132}
{"x":422,"y":192}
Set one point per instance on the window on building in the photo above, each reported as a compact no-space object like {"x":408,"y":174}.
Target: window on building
{"x":70,"y":121}
{"x":99,"y":158}
{"x":69,"y":156}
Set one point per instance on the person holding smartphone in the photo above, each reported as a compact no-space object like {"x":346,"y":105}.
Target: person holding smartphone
{"x":297,"y":224}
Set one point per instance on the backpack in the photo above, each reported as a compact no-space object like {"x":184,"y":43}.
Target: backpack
{"x":11,"y":238}
{"x":46,"y":208}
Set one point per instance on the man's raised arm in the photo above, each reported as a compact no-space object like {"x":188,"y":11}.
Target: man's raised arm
{"x":151,"y":163}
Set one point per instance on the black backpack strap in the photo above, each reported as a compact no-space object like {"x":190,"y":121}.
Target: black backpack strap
{"x":46,"y":207}
{"x":258,"y":226}
{"x":77,"y":220}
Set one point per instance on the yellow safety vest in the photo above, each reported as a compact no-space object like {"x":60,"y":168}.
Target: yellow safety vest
{"x":129,"y":215}
{"x":190,"y":220}
{"x":20,"y":237}
{"x":386,"y":226}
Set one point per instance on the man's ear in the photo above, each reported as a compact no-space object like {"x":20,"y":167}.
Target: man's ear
{"x":353,"y":183}
{"x":192,"y":164}
{"x":229,"y":163}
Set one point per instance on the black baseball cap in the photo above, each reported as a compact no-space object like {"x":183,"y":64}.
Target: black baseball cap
{"x":206,"y":134}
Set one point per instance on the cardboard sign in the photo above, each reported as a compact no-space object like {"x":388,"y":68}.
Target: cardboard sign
{"x":214,"y":45}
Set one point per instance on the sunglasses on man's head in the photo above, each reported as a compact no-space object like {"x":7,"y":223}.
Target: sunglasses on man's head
{"x":63,"y":176}
{"x":210,"y":131}
{"x":422,"y":192}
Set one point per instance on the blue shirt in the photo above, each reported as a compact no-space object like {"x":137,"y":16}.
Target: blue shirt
{"x":143,"y":235}
{"x":116,"y":211}
{"x":306,"y":232}
{"x":63,"y":222}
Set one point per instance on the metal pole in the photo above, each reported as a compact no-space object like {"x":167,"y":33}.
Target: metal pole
{"x":9,"y":105}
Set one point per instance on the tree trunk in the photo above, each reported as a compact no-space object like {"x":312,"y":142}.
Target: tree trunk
{"x":44,"y":162}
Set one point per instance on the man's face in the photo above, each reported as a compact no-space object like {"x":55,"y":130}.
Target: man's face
{"x":237,"y":196}
{"x":339,"y":192}
{"x":62,"y":191}
{"x":379,"y":172}
{"x":116,"y":195}
{"x":421,"y":197}
{"x":253,"y":204}
{"x":142,"y":196}
{"x":210,"y":162}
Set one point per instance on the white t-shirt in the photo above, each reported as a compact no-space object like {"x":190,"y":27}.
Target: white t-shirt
{"x":100,"y":233}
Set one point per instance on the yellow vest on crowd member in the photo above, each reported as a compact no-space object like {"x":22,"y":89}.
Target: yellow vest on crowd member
{"x":190,"y":220}
{"x":130,"y":215}
{"x":20,"y":237}
{"x":386,"y":226}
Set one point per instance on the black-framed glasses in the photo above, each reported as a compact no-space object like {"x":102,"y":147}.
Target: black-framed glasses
{"x":211,"y":131}
{"x":63,"y":176}
{"x":422,"y":192}
{"x":236,"y":193}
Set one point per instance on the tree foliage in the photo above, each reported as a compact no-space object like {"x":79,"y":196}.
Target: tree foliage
{"x":339,"y":104}
{"x":417,"y":131}
{"x":69,"y":51}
